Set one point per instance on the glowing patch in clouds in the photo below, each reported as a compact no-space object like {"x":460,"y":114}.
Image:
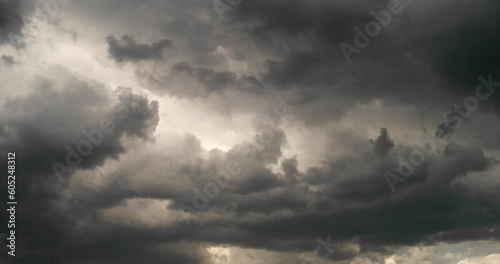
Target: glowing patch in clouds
{"x":220,"y":255}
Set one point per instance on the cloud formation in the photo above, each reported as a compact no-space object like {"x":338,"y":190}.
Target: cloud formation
{"x":248,"y":139}
{"x":126,"y":49}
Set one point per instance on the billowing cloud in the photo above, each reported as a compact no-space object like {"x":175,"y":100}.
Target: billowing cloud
{"x":388,"y":154}
{"x":7,"y":60}
{"x":126,"y":49}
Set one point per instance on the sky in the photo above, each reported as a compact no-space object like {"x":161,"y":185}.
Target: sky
{"x":251,"y":131}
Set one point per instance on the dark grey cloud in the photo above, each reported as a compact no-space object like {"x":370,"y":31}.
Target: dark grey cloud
{"x":127,"y":49}
{"x":357,"y":206}
{"x":12,"y":15}
{"x":211,"y":79}
{"x":61,"y":108}
{"x":428,"y":58}
{"x":10,"y":19}
{"x":395,"y":64}
{"x":41,"y":125}
{"x":7,"y":60}
{"x":382,"y":144}
{"x":353,"y":203}
{"x":298,"y":53}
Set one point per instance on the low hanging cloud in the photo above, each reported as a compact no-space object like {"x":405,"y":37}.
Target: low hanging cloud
{"x":164,"y":182}
{"x":382,"y":144}
{"x":10,"y":19}
{"x":127,"y":49}
{"x":355,"y":194}
{"x":44,"y":124}
{"x":7,"y":60}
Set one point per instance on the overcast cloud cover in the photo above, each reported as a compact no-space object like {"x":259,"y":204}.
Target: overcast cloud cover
{"x":244,"y":131}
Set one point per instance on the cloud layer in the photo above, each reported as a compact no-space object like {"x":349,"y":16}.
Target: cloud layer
{"x":393,"y":148}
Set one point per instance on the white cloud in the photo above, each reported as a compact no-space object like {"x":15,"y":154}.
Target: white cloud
{"x":490,"y":259}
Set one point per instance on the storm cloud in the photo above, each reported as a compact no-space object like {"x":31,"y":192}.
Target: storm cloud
{"x":126,"y":49}
{"x":165,"y":134}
